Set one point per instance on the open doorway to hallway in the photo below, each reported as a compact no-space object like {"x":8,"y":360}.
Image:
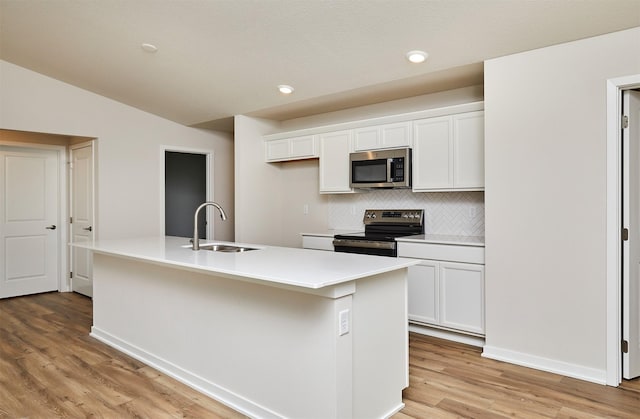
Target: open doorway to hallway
{"x":186,"y":186}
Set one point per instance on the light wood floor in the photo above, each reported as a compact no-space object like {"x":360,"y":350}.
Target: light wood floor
{"x":50,"y":367}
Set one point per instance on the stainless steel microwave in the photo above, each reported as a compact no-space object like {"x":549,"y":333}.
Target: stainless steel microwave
{"x":389,"y":168}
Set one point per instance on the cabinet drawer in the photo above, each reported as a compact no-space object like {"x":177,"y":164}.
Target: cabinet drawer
{"x":444,"y":252}
{"x":318,"y":243}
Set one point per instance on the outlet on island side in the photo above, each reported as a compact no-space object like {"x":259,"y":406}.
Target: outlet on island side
{"x":343,"y":322}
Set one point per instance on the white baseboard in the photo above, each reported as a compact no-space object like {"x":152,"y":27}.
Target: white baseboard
{"x":546,"y":364}
{"x":200,"y":384}
{"x":394,"y":410}
{"x":446,"y":334}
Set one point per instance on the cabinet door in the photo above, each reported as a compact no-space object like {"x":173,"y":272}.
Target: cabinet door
{"x":469,"y":150}
{"x":382,"y":136}
{"x":334,"y":162}
{"x":366,"y":138}
{"x":462,"y":296}
{"x":433,"y":154}
{"x":277,"y":150}
{"x":291,"y":148}
{"x":303,"y":147}
{"x":422,"y":303}
{"x":396,"y":135}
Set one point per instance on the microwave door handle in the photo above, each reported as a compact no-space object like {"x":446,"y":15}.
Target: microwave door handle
{"x":390,"y":169}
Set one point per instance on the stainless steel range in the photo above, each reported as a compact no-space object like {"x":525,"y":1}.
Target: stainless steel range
{"x":381,"y":227}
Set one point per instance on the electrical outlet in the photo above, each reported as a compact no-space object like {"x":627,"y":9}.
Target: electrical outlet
{"x":305,"y":209}
{"x":343,"y":322}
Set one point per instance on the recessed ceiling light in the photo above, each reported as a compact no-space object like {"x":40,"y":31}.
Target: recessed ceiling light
{"x":285,"y":89}
{"x":417,"y":56}
{"x":149,"y":48}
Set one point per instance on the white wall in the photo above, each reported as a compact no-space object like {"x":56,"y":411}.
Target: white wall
{"x":545,"y":151}
{"x":270,"y":196}
{"x":128,"y":147}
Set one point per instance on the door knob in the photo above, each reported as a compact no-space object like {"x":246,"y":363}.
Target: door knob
{"x":51,"y":227}
{"x":88,"y":228}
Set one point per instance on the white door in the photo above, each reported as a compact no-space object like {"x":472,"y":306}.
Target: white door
{"x":82,"y":228}
{"x":29,"y":218}
{"x":631,"y":247}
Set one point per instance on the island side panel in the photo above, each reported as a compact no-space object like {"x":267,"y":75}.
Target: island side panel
{"x":381,"y":344}
{"x":264,"y":351}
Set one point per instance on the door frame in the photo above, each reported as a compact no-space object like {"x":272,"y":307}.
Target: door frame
{"x":615,"y":87}
{"x":63,"y":214}
{"x":209,"y":153}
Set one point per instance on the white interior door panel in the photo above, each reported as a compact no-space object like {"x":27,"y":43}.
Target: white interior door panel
{"x":82,"y":228}
{"x":631,"y":247}
{"x":29,"y":218}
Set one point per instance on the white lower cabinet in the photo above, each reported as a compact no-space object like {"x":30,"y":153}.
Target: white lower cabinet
{"x":461,"y":297}
{"x":448,"y":295}
{"x":446,"y":290}
{"x":423,"y":292}
{"x":317,"y":242}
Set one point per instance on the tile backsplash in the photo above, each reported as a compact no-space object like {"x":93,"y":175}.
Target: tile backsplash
{"x":450,"y":213}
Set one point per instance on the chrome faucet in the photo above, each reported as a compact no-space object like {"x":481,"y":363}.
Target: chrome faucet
{"x":196,"y":239}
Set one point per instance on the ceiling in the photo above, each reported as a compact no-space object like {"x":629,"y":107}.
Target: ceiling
{"x":219,"y":58}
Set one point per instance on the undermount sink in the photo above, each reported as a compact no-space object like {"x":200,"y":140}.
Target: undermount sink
{"x":225,"y":248}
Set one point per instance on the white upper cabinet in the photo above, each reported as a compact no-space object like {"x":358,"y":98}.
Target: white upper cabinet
{"x":334,"y":149}
{"x":447,"y":143}
{"x":382,"y":136}
{"x":448,"y":153}
{"x":468,"y":150}
{"x":432,"y":154}
{"x":294,"y":148}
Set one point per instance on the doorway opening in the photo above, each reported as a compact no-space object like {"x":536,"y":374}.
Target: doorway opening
{"x":186,"y":185}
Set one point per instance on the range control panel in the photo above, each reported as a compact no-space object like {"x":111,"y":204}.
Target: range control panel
{"x":404,"y":216}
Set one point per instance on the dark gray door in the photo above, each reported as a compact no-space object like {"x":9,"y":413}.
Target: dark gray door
{"x":185,"y":188}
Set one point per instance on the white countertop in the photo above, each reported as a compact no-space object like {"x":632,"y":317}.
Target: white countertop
{"x":282,"y":265}
{"x":444,"y":239}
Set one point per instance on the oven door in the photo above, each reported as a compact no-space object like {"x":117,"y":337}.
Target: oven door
{"x":365,"y":247}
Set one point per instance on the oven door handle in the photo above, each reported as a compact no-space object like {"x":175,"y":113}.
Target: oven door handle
{"x":364,"y":244}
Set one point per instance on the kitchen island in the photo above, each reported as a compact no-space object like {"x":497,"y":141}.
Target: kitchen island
{"x":271,"y":332}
